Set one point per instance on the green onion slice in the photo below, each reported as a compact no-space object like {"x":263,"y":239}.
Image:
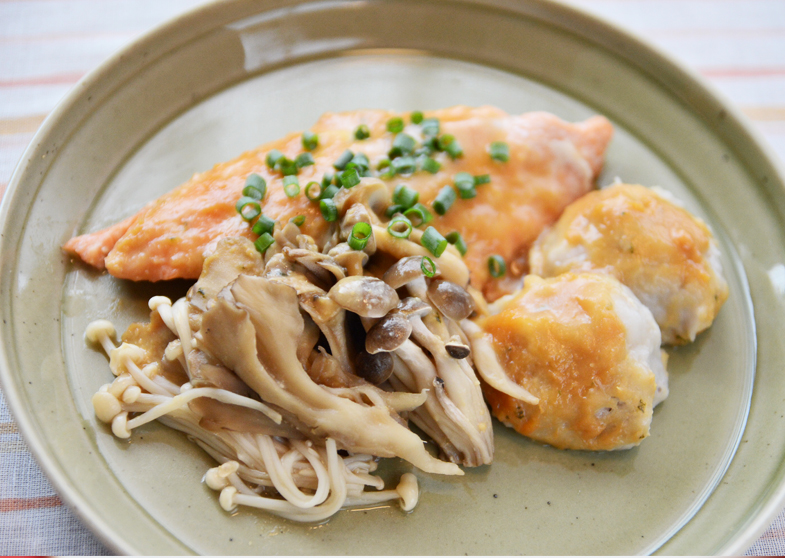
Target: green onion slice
{"x":350,"y":178}
{"x":250,"y":209}
{"x":263,"y":225}
{"x":464,"y":182}
{"x":328,"y":209}
{"x":496,"y":266}
{"x":393,"y":209}
{"x":403,"y":144}
{"x":257,"y":183}
{"x":454,"y":150}
{"x":264,"y":242}
{"x":304,"y":160}
{"x":287,"y":166}
{"x":499,"y":151}
{"x":298,"y":220}
{"x":310,"y":140}
{"x":360,"y":235}
{"x":362,"y":132}
{"x":329,"y":192}
{"x":272,"y":157}
{"x":313,"y":191}
{"x":252,"y":192}
{"x":395,"y":125}
{"x":444,"y":200}
{"x":360,"y":161}
{"x":430,"y":127}
{"x":291,"y":186}
{"x":404,"y":165}
{"x":434,"y":241}
{"x":428,"y":267}
{"x":341,"y":162}
{"x":405,"y":196}
{"x":416,"y":117}
{"x":383,"y":164}
{"x":400,"y":227}
{"x":457,"y":240}
{"x":418,"y":214}
{"x":430,"y":165}
{"x":481,"y":179}
{"x":243,"y":201}
{"x":327,"y":179}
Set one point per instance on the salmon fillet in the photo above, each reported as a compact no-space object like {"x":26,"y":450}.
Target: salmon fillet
{"x":551,"y":164}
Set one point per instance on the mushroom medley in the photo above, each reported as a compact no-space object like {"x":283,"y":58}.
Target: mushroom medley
{"x":296,"y":369}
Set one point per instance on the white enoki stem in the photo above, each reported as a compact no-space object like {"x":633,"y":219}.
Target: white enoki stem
{"x":221,"y":395}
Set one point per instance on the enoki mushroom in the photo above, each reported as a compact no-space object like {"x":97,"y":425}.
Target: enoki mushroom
{"x":293,"y":478}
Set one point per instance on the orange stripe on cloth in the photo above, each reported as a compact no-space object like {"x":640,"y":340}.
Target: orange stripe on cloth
{"x":21,"y":504}
{"x":776,"y":71}
{"x":7,"y":427}
{"x":765,"y":114}
{"x":21,"y":125}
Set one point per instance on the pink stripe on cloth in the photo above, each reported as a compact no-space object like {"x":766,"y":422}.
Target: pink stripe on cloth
{"x":43,"y":80}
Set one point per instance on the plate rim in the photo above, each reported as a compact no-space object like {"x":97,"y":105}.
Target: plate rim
{"x":201,"y":19}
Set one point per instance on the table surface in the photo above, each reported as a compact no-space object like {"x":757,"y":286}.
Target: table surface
{"x":46,"y":46}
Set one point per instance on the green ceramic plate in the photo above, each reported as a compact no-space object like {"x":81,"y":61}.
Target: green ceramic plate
{"x":231,"y":76}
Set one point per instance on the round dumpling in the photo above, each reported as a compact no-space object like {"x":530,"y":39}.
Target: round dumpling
{"x":589,"y":350}
{"x":664,"y":254}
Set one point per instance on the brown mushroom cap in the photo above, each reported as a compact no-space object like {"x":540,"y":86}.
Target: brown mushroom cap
{"x":374,"y":368}
{"x":405,"y":271}
{"x":388,"y":334}
{"x":368,"y":297}
{"x":456,"y":348}
{"x":451,"y":300}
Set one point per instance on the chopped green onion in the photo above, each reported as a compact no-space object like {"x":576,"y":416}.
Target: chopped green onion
{"x":362,"y":132}
{"x":299,"y":220}
{"x":404,"y":165}
{"x":393,"y":209}
{"x":400,"y":227}
{"x":499,"y":151}
{"x":328,"y":209}
{"x":310,"y":140}
{"x":405,"y":196}
{"x":246,"y":200}
{"x":313,"y":191}
{"x":430,"y":127}
{"x":257,"y":183}
{"x":457,"y":240}
{"x":360,"y":161}
{"x":454,"y":150}
{"x":291,"y":186}
{"x":341,"y":162}
{"x":251,"y":192}
{"x":263,"y":225}
{"x":264,"y":242}
{"x":329,"y":192}
{"x":416,"y":117}
{"x":425,"y":149}
{"x":419,"y":213}
{"x":444,"y":141}
{"x":327,"y":179}
{"x":272,"y":157}
{"x":464,"y":182}
{"x":428,"y":267}
{"x":481,"y":179}
{"x":431,"y":165}
{"x":395,"y":125}
{"x":360,"y":235}
{"x":350,"y":178}
{"x":286,"y":166}
{"x":434,"y":241}
{"x":444,"y":200}
{"x":304,"y":160}
{"x":496,"y":266}
{"x":250,"y":209}
{"x":383,"y":164}
{"x":403,"y":144}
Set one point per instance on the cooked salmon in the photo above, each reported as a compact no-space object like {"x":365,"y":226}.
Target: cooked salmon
{"x":551,"y":163}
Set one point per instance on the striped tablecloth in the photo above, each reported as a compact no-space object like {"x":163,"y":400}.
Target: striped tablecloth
{"x":46,"y":46}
